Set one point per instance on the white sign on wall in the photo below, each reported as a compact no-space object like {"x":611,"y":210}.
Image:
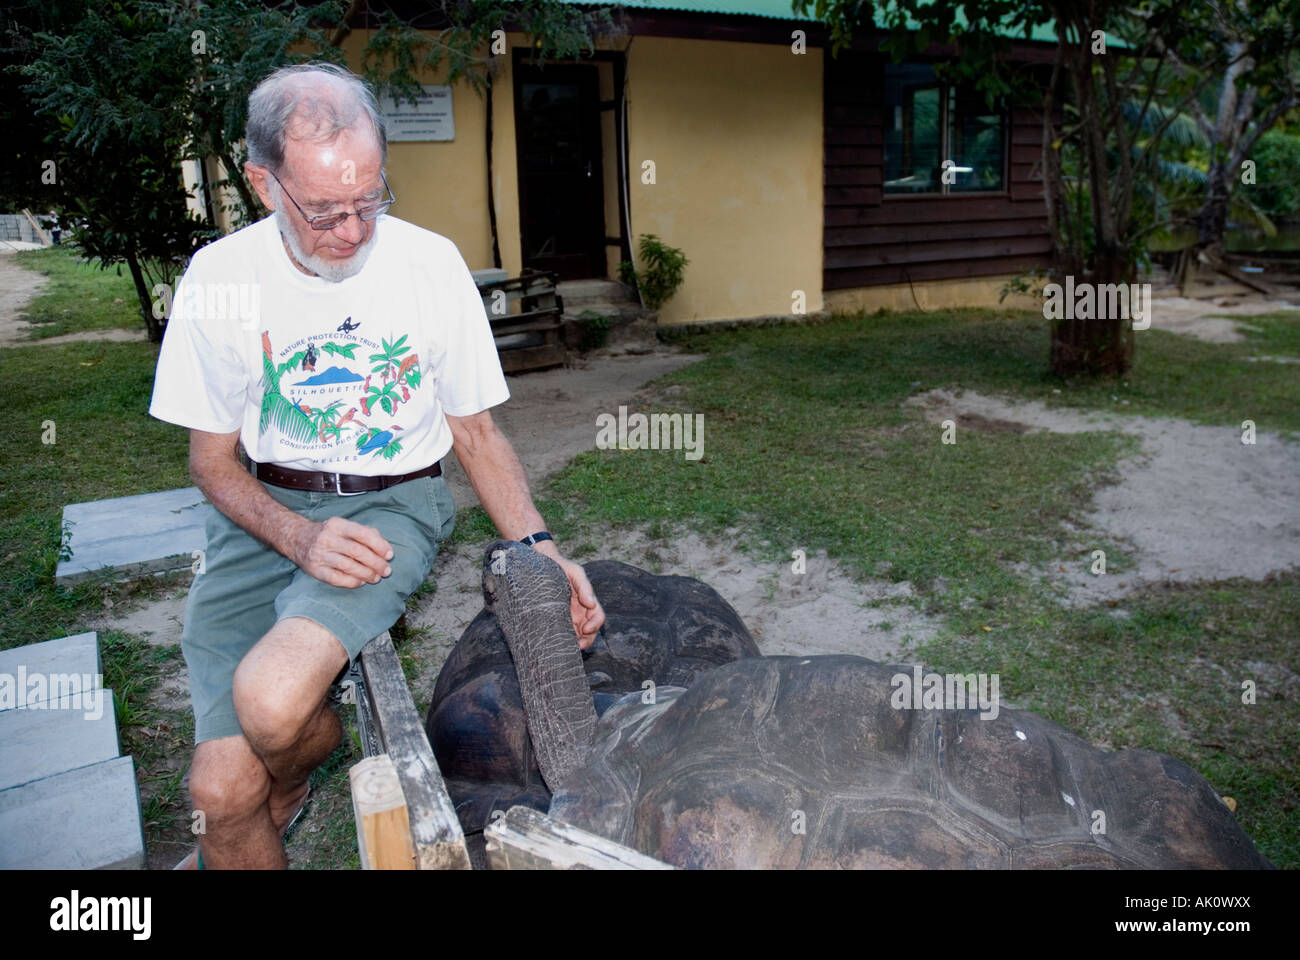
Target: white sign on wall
{"x":429,"y":119}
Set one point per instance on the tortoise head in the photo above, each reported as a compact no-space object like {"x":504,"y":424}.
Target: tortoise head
{"x":529,"y":594}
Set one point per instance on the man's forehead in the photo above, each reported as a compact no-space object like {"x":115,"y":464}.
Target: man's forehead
{"x":337,"y":170}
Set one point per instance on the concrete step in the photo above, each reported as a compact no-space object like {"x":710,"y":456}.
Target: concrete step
{"x":605,"y":308}
{"x":18,"y":666}
{"x":75,"y":730}
{"x":589,"y":290}
{"x":83,"y":819}
{"x":129,"y":536}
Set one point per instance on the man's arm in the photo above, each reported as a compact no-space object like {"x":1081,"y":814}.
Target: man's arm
{"x":339,"y":552}
{"x":498,"y":478}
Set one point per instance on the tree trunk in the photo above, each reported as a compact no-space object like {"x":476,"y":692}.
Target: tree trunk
{"x":154,"y":326}
{"x":1099,"y":346}
{"x":252,"y":207}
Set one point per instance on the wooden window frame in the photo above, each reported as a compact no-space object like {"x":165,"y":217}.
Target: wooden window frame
{"x":944,"y":193}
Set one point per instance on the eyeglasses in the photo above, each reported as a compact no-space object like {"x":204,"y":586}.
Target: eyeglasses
{"x":329,"y":221}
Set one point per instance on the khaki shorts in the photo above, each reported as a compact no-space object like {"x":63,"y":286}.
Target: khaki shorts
{"x":246,"y":587}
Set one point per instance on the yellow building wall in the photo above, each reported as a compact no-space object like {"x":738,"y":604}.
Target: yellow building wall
{"x":735,"y":134}
{"x":442,"y":186}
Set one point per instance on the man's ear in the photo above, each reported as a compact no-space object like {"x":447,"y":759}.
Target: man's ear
{"x":260,"y":179}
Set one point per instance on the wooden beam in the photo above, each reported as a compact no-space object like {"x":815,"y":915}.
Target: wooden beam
{"x":527,"y":839}
{"x":436,"y":833}
{"x":40,"y":233}
{"x":383,"y":826}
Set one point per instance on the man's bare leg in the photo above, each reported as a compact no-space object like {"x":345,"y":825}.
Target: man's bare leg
{"x":250,"y":786}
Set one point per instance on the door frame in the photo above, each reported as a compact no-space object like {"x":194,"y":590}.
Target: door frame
{"x":523,"y":57}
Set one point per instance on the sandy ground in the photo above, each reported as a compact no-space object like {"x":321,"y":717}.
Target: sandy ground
{"x":1195,"y":504}
{"x":1216,"y":321}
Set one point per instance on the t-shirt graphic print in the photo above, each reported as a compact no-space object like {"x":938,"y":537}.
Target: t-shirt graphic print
{"x":322,"y":398}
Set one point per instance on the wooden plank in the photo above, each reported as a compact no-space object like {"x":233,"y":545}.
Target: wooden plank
{"x":847,"y":279}
{"x":924,"y":231}
{"x":935,"y":209}
{"x":525,"y":324}
{"x":854,"y":156}
{"x":383,"y":827}
{"x":436,"y":833}
{"x":40,"y":231}
{"x":84,"y":819}
{"x":867,"y":132}
{"x":946,"y":251}
{"x":853,"y":176}
{"x":527,"y":839}
{"x":1026,"y":153}
{"x":530,"y":358}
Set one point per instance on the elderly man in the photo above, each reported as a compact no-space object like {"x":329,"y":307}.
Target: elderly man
{"x":346,"y":352}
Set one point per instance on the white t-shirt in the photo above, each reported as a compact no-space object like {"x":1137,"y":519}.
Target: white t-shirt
{"x":353,"y":376}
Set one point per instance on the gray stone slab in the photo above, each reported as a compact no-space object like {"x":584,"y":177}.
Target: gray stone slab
{"x":18,"y":666}
{"x":84,"y":819}
{"x":73,"y":731}
{"x":131,"y":536}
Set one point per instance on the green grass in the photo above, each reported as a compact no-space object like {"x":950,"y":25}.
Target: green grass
{"x":79,"y":296}
{"x":105,"y":445}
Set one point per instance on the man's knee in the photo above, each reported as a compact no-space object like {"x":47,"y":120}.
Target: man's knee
{"x":227,"y":780}
{"x":281,"y":684}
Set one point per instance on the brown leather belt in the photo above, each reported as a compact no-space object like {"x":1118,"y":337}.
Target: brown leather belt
{"x":344,"y":484}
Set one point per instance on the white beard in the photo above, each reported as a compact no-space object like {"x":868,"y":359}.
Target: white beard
{"x":325,"y":269}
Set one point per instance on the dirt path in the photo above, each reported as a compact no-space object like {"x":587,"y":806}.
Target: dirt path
{"x":1195,"y":504}
{"x":18,"y":287}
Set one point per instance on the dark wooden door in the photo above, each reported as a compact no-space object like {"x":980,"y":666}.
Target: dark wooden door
{"x":561,"y":191}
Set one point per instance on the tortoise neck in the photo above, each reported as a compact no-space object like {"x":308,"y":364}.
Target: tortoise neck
{"x":529,"y":594}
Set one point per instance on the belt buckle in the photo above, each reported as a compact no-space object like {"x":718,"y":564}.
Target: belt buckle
{"x":344,"y":493}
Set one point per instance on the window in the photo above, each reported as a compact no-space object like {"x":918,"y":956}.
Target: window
{"x":928,"y":123}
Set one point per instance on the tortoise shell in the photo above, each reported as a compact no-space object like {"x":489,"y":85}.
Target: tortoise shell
{"x":785,"y":762}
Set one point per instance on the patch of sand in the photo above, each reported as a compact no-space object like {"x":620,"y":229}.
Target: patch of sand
{"x":1195,"y":504}
{"x":1212,"y":320}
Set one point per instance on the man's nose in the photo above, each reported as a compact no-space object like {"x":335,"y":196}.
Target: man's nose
{"x":352,"y":230}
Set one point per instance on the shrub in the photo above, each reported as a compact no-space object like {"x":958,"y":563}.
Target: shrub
{"x":665,"y":267}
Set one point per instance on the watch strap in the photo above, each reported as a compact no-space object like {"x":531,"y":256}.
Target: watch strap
{"x":535,"y":538}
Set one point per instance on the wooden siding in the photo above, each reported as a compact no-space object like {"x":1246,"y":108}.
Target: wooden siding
{"x":872,"y":239}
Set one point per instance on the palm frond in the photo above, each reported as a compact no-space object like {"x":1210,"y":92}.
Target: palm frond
{"x":286,"y":417}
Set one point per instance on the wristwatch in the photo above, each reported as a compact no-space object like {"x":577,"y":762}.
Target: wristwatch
{"x":533,"y":539}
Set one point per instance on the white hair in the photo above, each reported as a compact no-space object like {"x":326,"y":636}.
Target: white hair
{"x":307,"y":101}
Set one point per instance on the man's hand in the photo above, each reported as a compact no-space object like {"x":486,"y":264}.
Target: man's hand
{"x":342,"y":552}
{"x":588,"y":616}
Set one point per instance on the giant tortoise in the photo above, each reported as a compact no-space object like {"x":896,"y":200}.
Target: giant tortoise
{"x":808,"y":762}
{"x":659,"y":630}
